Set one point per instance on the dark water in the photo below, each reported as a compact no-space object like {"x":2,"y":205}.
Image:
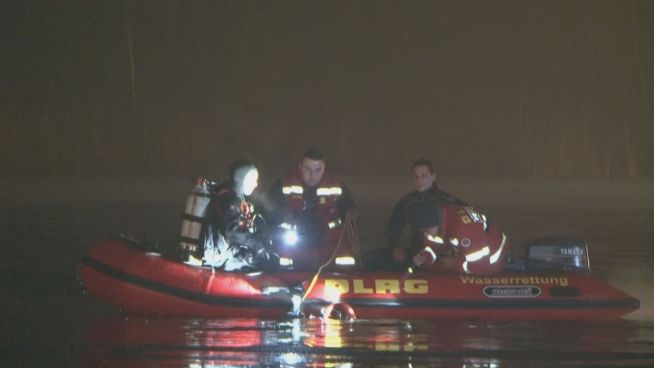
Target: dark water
{"x":48,"y":321}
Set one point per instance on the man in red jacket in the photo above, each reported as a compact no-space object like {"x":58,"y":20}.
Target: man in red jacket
{"x":309,"y":206}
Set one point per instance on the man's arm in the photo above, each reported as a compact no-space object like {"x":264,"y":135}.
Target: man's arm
{"x":345,"y":201}
{"x":273,"y":203}
{"x":395,"y":225}
{"x":394,"y":230}
{"x":236,"y":232}
{"x":227,"y":208}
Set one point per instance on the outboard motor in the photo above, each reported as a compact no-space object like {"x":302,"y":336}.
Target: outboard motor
{"x":193,"y":217}
{"x":559,"y":254}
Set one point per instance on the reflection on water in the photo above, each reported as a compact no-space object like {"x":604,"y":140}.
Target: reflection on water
{"x":195,"y":343}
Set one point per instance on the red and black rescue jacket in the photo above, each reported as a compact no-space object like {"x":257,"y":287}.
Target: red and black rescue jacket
{"x":478,"y":246}
{"x":289,"y":200}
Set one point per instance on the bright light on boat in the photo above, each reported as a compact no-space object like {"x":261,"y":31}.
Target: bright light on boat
{"x":345,"y":261}
{"x":290,"y":237}
{"x":283,"y":261}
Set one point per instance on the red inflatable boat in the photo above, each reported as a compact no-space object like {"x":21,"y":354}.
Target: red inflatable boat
{"x":139,"y":282}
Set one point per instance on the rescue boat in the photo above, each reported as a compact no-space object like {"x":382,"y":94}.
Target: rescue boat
{"x":139,"y":281}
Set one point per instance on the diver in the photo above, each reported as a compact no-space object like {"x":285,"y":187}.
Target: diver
{"x":233,"y":236}
{"x":308,"y":206}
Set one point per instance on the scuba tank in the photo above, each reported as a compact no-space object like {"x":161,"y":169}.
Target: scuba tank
{"x":193,"y":217}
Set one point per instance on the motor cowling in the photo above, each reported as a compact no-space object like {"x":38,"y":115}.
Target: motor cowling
{"x":193,"y":217}
{"x":567,"y":254}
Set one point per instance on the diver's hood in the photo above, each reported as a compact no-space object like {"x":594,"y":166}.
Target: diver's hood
{"x":245,"y":179}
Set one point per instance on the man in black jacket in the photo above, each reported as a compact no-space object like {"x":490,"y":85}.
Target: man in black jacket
{"x":420,"y":209}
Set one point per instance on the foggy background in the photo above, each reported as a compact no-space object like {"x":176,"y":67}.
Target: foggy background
{"x":501,"y":88}
{"x":539,"y":113}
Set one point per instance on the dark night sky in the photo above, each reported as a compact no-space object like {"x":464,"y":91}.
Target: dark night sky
{"x":545,"y":88}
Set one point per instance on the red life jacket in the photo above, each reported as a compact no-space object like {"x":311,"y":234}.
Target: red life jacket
{"x":478,"y":246}
{"x":328,"y":192}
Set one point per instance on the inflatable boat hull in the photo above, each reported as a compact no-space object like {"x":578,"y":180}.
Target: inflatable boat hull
{"x":143,"y":283}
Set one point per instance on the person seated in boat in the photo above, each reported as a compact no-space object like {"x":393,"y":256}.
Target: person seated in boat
{"x":309,"y":206}
{"x":233,"y":234}
{"x":464,"y":242}
{"x":447,"y":234}
{"x":420,"y":209}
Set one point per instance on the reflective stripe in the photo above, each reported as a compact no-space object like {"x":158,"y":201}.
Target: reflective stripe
{"x":434,"y":239}
{"x":345,"y":261}
{"x":465,"y":267}
{"x":286,"y":226}
{"x":283,"y":261}
{"x":335,"y":223}
{"x":292,"y":189}
{"x":475,"y":256}
{"x":497,"y":254}
{"x":454,"y":242}
{"x":433,"y":254}
{"x":336,"y":191}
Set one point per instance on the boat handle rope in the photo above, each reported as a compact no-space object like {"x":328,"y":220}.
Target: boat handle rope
{"x":350,"y":229}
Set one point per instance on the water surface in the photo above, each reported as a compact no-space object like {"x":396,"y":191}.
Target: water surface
{"x":47,"y":320}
